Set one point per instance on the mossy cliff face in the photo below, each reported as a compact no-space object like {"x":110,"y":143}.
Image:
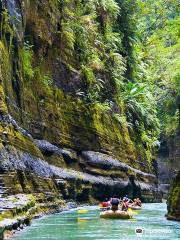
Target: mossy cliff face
{"x":168,"y":161}
{"x":174,"y":200}
{"x":56,"y":122}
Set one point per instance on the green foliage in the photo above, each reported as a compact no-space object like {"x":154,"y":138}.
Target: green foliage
{"x":127,"y":26}
{"x":47,"y":80}
{"x":158,"y":24}
{"x":127,"y":55}
{"x":88,"y":36}
{"x":109,"y":8}
{"x":118,"y":69}
{"x":27,"y":56}
{"x":112,"y":56}
{"x":141,"y":112}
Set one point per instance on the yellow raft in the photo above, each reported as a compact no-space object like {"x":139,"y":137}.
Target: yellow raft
{"x":115,"y":215}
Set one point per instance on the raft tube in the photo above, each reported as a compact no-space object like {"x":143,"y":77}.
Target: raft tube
{"x":115,"y":215}
{"x":104,"y":208}
{"x":135,"y":207}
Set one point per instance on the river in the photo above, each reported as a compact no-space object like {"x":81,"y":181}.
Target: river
{"x":86,"y":225}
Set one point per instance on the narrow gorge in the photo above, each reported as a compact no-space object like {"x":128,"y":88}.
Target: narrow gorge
{"x":78,"y":114}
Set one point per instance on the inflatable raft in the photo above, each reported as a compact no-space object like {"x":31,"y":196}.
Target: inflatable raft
{"x":104,"y":208}
{"x":115,"y":215}
{"x":135,"y":207}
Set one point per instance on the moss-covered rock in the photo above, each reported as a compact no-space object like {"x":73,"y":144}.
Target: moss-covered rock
{"x":52,"y":68}
{"x":41,"y":81}
{"x":168,"y":161}
{"x":174,"y":200}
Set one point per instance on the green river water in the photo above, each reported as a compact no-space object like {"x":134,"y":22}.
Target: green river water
{"x":74,"y":225}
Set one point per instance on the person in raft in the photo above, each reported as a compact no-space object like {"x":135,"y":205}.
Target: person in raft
{"x":125,"y":204}
{"x":106,"y":204}
{"x":137,"y":202}
{"x":114,"y":203}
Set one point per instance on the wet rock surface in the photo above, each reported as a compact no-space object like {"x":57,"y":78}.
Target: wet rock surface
{"x":108,"y":172}
{"x":173,"y":202}
{"x":168,"y":162}
{"x":16,"y":18}
{"x":18,"y":210}
{"x":107,"y":162}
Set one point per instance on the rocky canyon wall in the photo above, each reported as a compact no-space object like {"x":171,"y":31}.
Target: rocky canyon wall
{"x":51,"y":139}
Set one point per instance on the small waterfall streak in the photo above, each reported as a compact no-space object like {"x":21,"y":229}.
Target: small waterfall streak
{"x":15,"y":17}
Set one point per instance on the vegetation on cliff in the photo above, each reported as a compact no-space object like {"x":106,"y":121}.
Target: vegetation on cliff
{"x":89,"y":75}
{"x":82,"y":52}
{"x":159,"y":48}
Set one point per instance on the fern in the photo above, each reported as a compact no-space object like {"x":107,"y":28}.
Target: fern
{"x":27,"y":56}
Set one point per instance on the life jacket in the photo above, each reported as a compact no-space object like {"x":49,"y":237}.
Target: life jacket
{"x":125,"y":206}
{"x":104,"y":204}
{"x":115,"y":201}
